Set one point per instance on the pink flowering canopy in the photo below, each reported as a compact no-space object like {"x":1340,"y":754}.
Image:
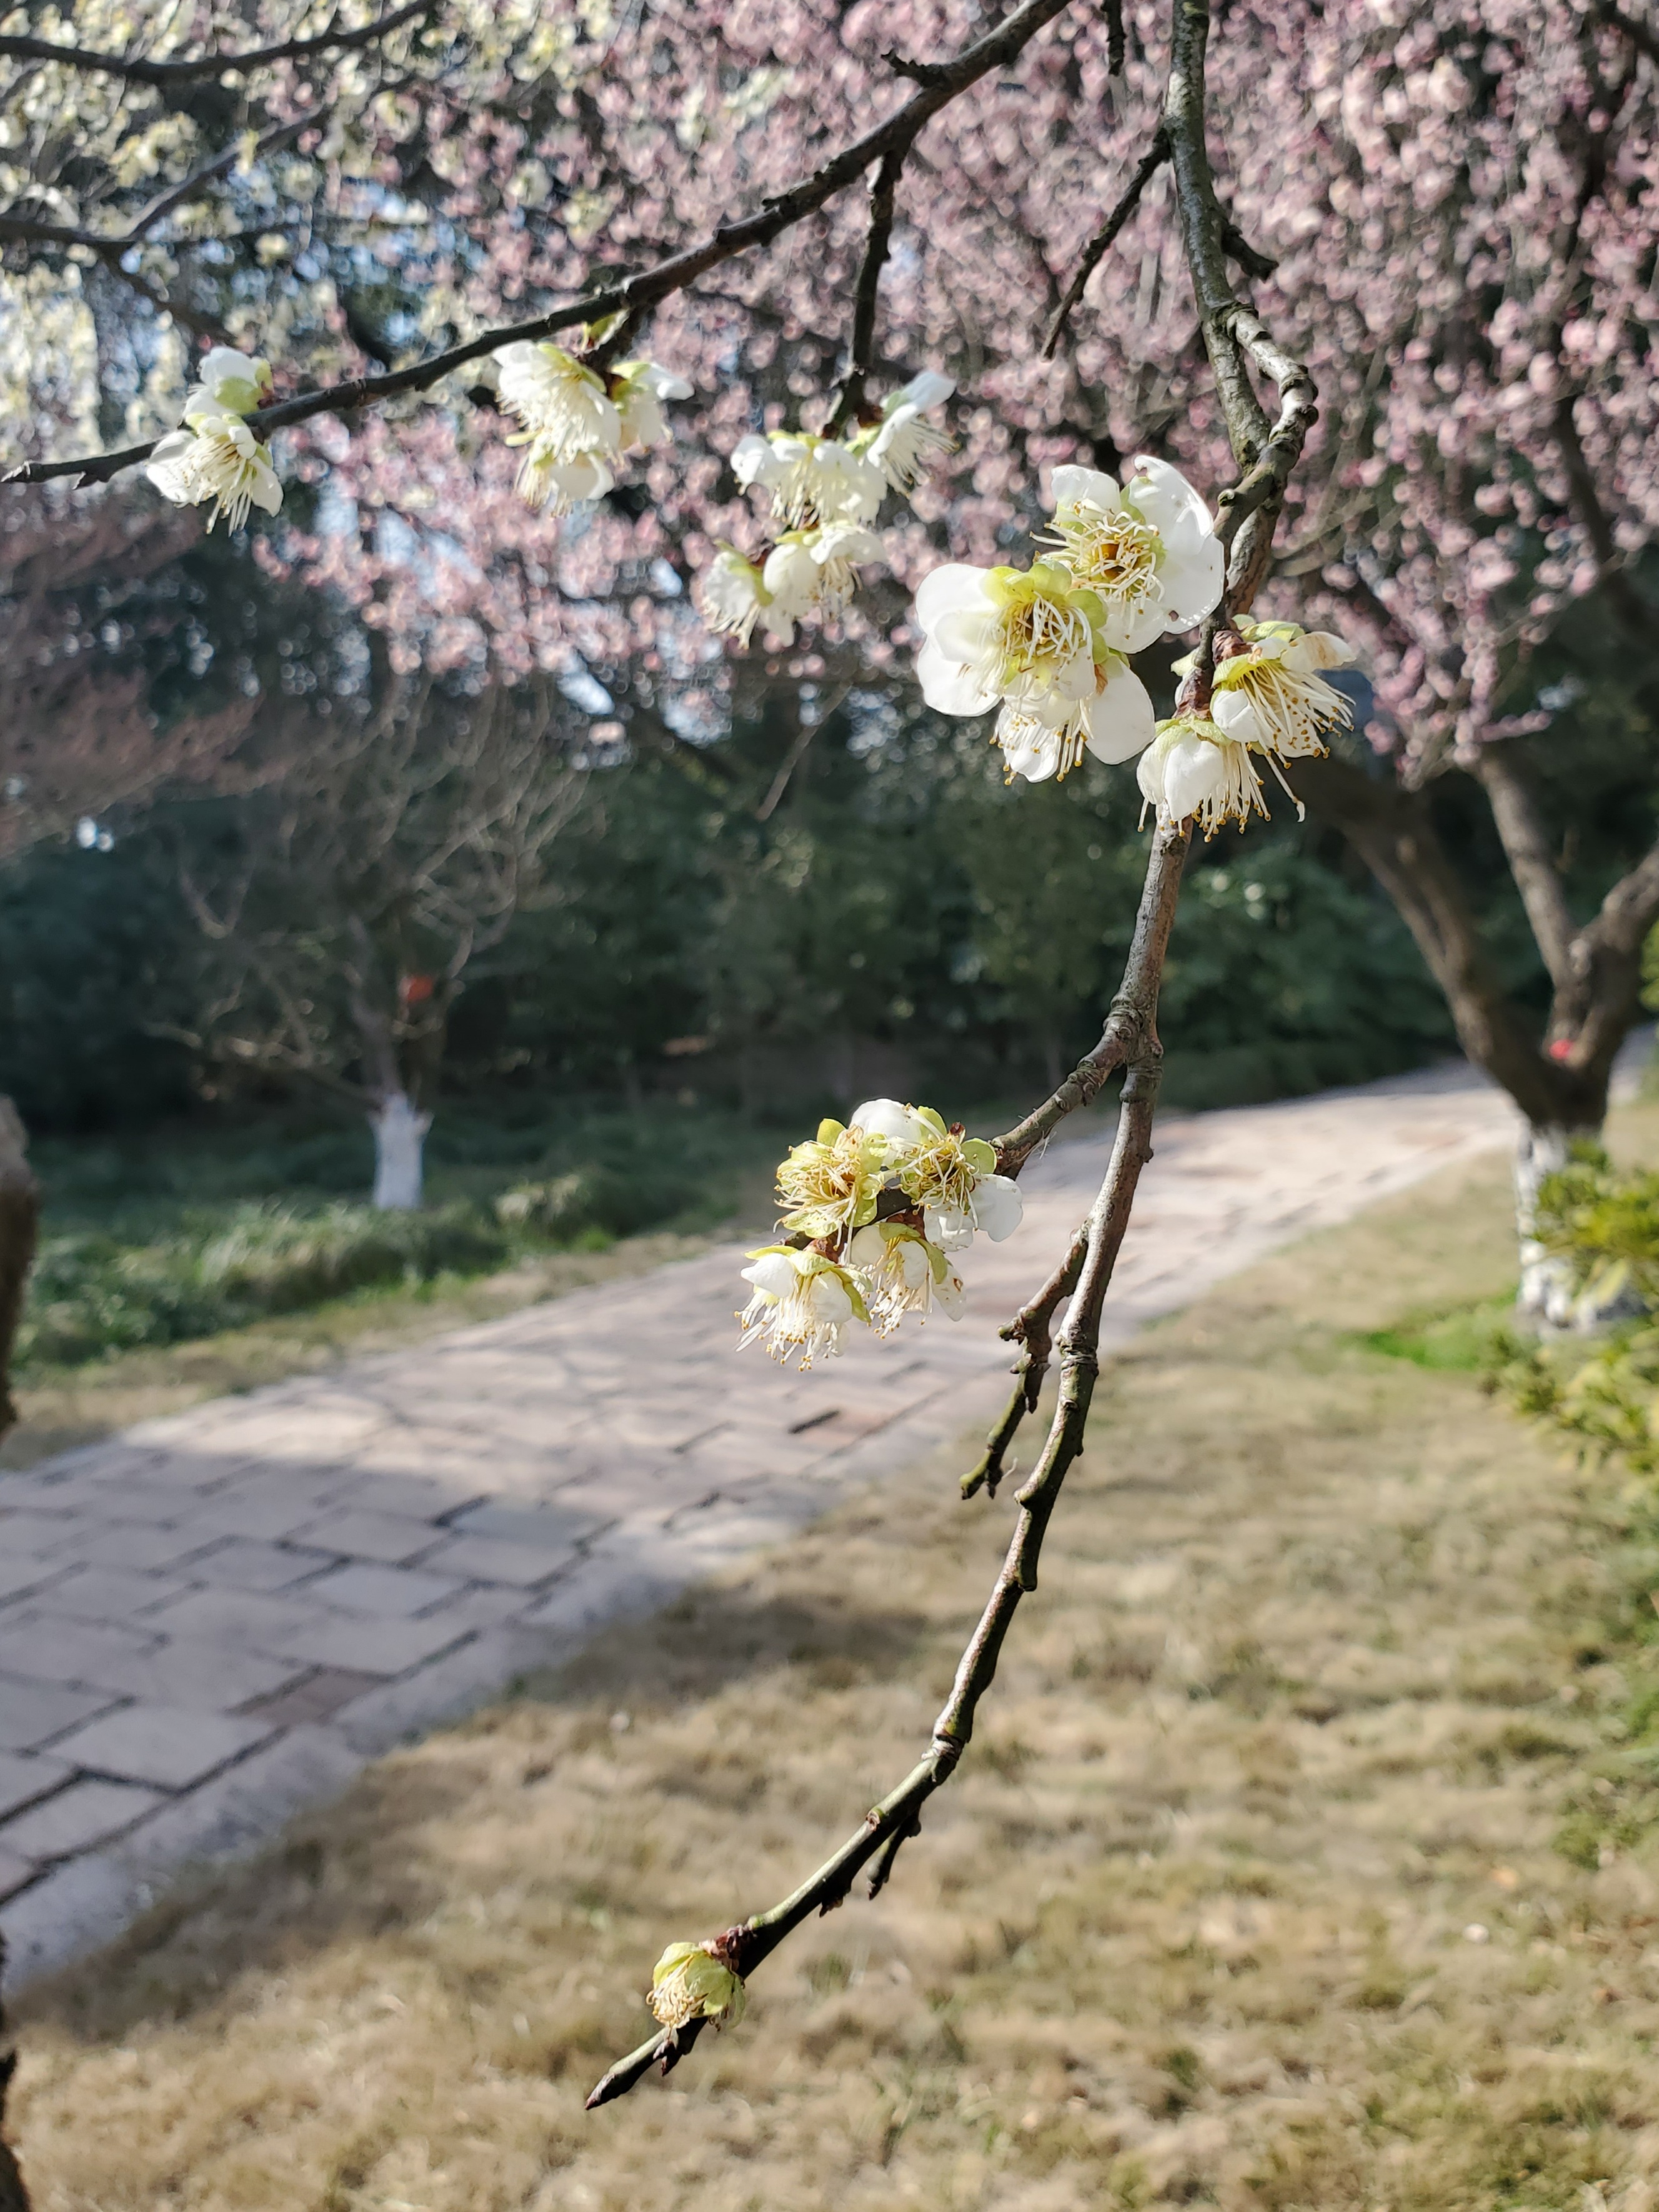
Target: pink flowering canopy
{"x":1462,"y":213}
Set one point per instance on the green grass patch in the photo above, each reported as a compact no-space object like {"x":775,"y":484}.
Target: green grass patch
{"x":191,"y":1231}
{"x":1460,"y":1341}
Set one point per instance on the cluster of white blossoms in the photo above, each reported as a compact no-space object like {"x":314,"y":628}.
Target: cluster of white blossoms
{"x":579,"y":421}
{"x":1268,"y":697}
{"x":1048,"y":647}
{"x":875,"y":1211}
{"x":216,"y":456}
{"x":825,"y":492}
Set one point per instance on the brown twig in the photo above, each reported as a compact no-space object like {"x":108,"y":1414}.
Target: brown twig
{"x":1265,"y":451}
{"x":850,"y":394}
{"x":943,"y":81}
{"x":139,"y":71}
{"x":1101,"y":243}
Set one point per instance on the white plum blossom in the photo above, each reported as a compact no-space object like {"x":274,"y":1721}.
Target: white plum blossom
{"x":901,"y":1272}
{"x":1194,"y":768}
{"x":903,"y":1127}
{"x":1147,"y":548}
{"x":1031,"y":642}
{"x":557,"y":485}
{"x":219,"y":458}
{"x":809,"y":568}
{"x":810,"y":479}
{"x":229,"y":383}
{"x":1272,"y":696}
{"x":638,"y":389}
{"x":801,"y":1305}
{"x":733,"y":596}
{"x":564,"y":406}
{"x":903,"y":442}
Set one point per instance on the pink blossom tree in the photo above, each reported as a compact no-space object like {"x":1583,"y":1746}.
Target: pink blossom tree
{"x":1449,"y":228}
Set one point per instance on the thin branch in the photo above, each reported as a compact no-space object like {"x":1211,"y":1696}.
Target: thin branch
{"x":849,"y":396}
{"x":886,"y":1825}
{"x":1116,"y":45}
{"x":780,"y":211}
{"x":1101,"y":243}
{"x":1031,"y":1327}
{"x":138,"y":70}
{"x":1128,"y":1025}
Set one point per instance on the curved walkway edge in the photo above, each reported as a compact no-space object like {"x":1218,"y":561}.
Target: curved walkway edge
{"x":216,"y":1619}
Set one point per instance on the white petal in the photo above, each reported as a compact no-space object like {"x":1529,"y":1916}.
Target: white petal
{"x":1163,"y":496}
{"x":1030,"y":749}
{"x":1232,"y":711}
{"x":844,"y":541}
{"x":956,"y":585}
{"x":1193,"y":584}
{"x":827,"y":1296}
{"x":951,"y":1295}
{"x":886,"y":1117}
{"x":1121,"y":719}
{"x":998,"y":1207}
{"x":929,"y":389}
{"x":1317,"y":649}
{"x":1193,"y":772}
{"x":267,"y":490}
{"x":791,"y":574}
{"x":950,"y":687}
{"x":867,"y":1250}
{"x":1072,"y":483}
{"x":753,"y":460}
{"x":951,"y":1232}
{"x":1131,"y":630}
{"x":1149,"y":774}
{"x":773,"y":1272}
{"x":914,"y":1265}
{"x":966,"y":633}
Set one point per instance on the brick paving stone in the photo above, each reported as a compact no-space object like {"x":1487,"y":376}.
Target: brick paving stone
{"x":252,"y":1621}
{"x":489,"y":1559}
{"x":386,"y":1592}
{"x":391,"y":1539}
{"x":168,"y":1745}
{"x":376,"y":1646}
{"x":25,"y":1775}
{"x":242,"y":1563}
{"x":317,"y":1696}
{"x":32,"y":1713}
{"x":84,"y":1815}
{"x":21,"y":1572}
{"x":38,"y":1535}
{"x":15,"y":1872}
{"x":266,"y":1511}
{"x":110,"y":1593}
{"x":52,"y":1648}
{"x":112,"y":1545}
{"x":210,"y":1675}
{"x":549,"y":1528}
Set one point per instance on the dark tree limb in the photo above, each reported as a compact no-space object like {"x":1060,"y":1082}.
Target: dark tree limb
{"x":850,"y":394}
{"x":1532,"y":863}
{"x":138,"y":70}
{"x":1104,"y":240}
{"x":943,"y":82}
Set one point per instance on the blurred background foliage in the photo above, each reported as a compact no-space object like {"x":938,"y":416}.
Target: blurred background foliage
{"x":839,"y":894}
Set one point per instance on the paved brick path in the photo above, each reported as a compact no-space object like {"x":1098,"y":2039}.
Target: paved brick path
{"x":219,"y":1617}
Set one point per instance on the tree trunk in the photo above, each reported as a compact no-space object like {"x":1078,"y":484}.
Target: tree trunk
{"x":20,"y":1221}
{"x":399,"y":1138}
{"x":1546,"y":1295}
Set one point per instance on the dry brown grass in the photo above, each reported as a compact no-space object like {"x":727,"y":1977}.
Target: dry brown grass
{"x":1299,"y":1702}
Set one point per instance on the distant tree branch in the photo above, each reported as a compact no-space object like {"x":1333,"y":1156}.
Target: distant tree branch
{"x":1101,"y":243}
{"x":849,"y":397}
{"x":945,"y":81}
{"x":138,"y":70}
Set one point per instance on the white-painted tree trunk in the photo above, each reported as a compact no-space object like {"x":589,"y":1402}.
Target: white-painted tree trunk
{"x":1546,"y":1295}
{"x":399,"y":1140}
